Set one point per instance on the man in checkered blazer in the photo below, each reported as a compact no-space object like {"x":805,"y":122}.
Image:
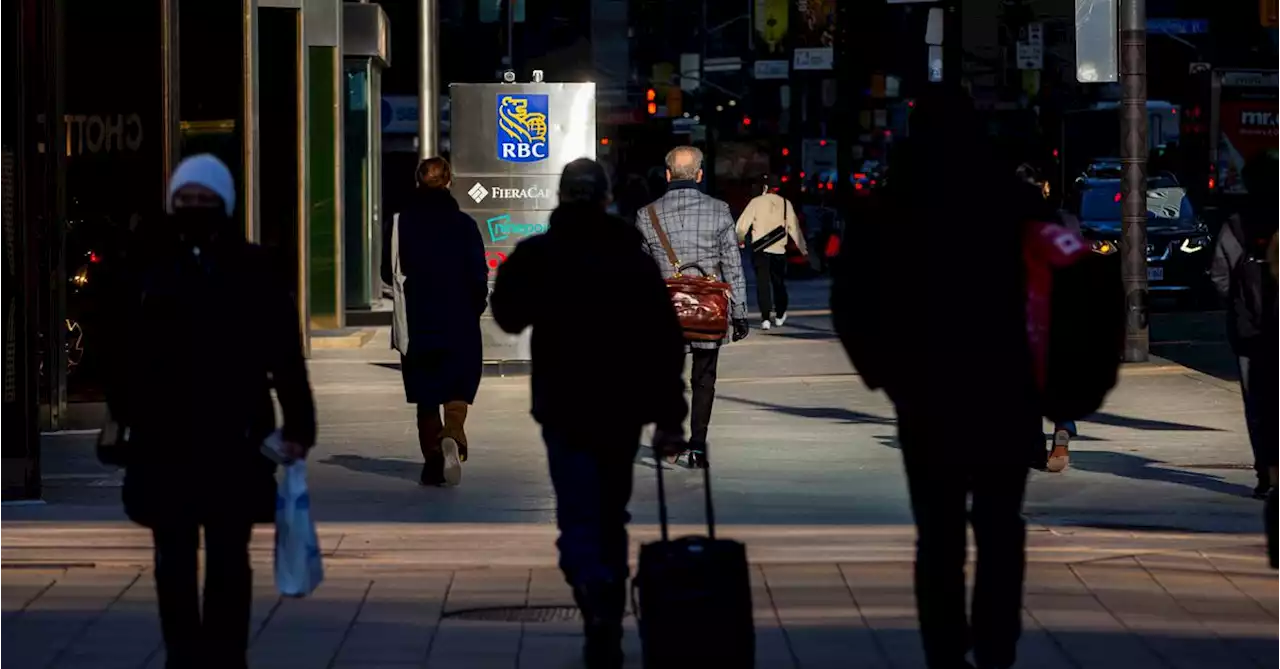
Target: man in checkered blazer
{"x":702,"y":234}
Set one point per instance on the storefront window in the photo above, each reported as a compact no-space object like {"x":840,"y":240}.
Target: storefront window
{"x":114,"y":166}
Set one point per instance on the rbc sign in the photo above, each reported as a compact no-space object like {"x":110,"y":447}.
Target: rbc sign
{"x":522,"y":126}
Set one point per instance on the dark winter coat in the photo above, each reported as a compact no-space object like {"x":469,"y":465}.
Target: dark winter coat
{"x":1243,"y":281}
{"x":934,"y":315}
{"x":445,"y":287}
{"x":608,"y":350}
{"x":196,"y":344}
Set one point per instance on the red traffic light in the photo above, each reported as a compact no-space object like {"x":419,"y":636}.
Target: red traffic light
{"x":650,"y":95}
{"x":822,"y":142}
{"x":653,"y":108}
{"x":785,"y":152}
{"x":746,"y":120}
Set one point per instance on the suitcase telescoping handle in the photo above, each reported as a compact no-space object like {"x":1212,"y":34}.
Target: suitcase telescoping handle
{"x":662,"y":499}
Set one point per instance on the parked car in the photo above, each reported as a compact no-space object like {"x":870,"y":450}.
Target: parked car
{"x":1179,"y":244}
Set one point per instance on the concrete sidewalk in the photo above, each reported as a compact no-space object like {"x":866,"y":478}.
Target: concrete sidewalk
{"x":1099,"y":600}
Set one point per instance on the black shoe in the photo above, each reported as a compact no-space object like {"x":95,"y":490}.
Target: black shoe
{"x":698,"y":460}
{"x":1260,"y":491}
{"x":602,"y":606}
{"x":432,"y":470}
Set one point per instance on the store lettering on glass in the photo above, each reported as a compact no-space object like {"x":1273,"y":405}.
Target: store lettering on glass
{"x":93,"y":133}
{"x":502,"y":229}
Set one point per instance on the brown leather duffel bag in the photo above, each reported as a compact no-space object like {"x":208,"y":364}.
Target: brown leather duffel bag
{"x":701,"y":302}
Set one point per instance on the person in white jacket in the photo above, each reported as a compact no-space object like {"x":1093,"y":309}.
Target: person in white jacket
{"x":764,"y":216}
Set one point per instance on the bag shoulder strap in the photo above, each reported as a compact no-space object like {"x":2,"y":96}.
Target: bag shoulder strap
{"x":395,"y":246}
{"x":662,"y":237}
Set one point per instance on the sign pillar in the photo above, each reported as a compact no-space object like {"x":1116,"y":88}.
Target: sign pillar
{"x":508,"y":149}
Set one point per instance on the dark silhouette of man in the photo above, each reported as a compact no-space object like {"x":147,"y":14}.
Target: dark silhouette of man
{"x":929,"y":318}
{"x":608,"y":358}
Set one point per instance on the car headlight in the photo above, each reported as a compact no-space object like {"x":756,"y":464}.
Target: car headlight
{"x":1193,"y":244}
{"x":1103,"y":247}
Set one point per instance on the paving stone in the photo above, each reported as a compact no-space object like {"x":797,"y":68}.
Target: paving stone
{"x":883,"y":594}
{"x":1146,"y":609}
{"x":823,"y":625}
{"x":22,"y":586}
{"x":59,"y":617}
{"x":1236,"y":619}
{"x":398,"y":619}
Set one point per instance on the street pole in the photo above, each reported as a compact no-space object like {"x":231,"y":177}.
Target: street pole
{"x":708,"y":155}
{"x":511,"y":34}
{"x":1133,"y":187}
{"x":428,"y":78}
{"x":952,"y":44}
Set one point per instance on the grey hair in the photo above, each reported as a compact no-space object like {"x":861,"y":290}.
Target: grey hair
{"x":684,"y":162}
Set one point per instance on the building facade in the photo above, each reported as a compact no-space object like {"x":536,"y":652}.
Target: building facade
{"x":109,"y":97}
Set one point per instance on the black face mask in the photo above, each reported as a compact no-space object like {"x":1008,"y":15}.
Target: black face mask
{"x":200,"y":226}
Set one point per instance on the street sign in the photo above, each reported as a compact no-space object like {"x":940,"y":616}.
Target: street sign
{"x":1030,"y":56}
{"x":817,"y":58}
{"x":1035,"y":34}
{"x":726,"y":64}
{"x":1178,"y":26}
{"x":508,"y":151}
{"x":772,"y":69}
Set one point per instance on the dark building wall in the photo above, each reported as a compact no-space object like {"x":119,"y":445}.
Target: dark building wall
{"x":25,"y":172}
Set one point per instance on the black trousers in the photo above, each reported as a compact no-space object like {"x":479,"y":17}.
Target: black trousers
{"x":218,"y":636}
{"x":702,"y":380}
{"x":1255,"y":416}
{"x":940,"y":491}
{"x":592,"y":477}
{"x":771,"y":285}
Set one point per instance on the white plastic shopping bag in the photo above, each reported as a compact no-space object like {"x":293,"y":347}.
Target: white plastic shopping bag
{"x":299,"y":569}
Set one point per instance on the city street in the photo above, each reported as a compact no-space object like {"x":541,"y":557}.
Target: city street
{"x":1147,"y":551}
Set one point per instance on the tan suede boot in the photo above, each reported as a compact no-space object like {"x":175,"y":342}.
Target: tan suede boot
{"x":455,"y":417}
{"x":430,"y":427}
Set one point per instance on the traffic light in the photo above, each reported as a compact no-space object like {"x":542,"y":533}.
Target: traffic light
{"x":746,"y":120}
{"x":651,"y":96}
{"x":785,"y":152}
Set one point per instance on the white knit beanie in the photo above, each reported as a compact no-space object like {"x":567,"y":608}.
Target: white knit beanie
{"x":206,"y":170}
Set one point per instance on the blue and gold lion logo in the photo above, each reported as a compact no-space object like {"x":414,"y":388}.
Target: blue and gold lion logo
{"x":522,"y":128}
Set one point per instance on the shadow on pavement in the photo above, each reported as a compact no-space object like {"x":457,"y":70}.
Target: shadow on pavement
{"x":1146,"y":424}
{"x":1139,"y":468}
{"x":868,"y":622}
{"x":825,"y":413}
{"x":814,"y":335}
{"x":851,"y":416}
{"x":393,"y":468}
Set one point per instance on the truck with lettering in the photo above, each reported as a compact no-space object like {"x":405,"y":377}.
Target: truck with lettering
{"x":1242,"y":124}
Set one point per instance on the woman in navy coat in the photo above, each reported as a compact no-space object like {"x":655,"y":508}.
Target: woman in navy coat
{"x":433,"y":259}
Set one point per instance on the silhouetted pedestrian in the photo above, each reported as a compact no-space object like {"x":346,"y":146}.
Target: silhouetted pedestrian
{"x":1241,"y":275}
{"x":608,"y":357}
{"x":203,"y":332}
{"x":436,"y":268}
{"x":929,"y":319}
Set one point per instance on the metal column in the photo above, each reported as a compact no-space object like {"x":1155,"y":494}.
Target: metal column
{"x":1133,"y":187}
{"x":429,"y":78}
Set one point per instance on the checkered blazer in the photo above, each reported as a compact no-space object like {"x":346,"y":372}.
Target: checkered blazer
{"x":702,"y":233}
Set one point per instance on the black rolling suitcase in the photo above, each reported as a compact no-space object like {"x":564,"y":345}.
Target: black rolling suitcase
{"x":692,"y":598}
